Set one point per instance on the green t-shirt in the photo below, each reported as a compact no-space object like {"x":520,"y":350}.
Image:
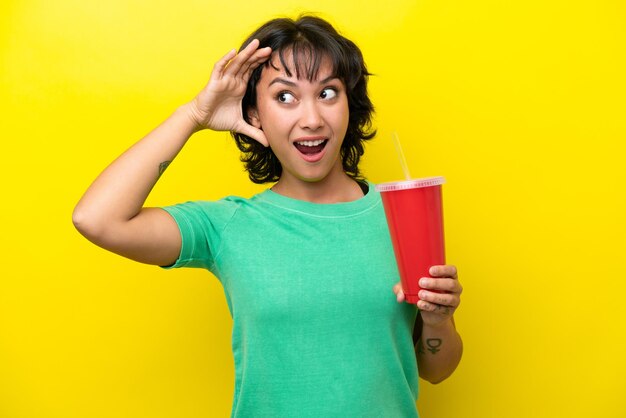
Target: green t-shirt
{"x":317,"y":331}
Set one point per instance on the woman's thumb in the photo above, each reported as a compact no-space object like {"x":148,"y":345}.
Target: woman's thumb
{"x":254,"y":133}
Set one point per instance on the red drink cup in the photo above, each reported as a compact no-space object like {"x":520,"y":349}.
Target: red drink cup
{"x":414,"y":214}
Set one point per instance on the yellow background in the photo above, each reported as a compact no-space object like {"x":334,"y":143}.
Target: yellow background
{"x":520,"y":105}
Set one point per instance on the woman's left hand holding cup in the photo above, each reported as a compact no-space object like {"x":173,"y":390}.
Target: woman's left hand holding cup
{"x":440,"y":295}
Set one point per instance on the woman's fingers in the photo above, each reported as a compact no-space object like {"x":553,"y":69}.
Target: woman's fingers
{"x":444,"y":284}
{"x":443,"y":271}
{"x":445,"y":299}
{"x":259,"y":57}
{"x":397,"y":289}
{"x":253,"y":133}
{"x":241,"y":63}
{"x":235,"y":66}
{"x":435,"y":308}
{"x":218,"y":68}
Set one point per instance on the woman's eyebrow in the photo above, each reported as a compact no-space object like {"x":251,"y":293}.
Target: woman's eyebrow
{"x":292,"y":84}
{"x":327,"y":79}
{"x":283,"y":81}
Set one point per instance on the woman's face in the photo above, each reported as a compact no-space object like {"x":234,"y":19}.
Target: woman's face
{"x":304,"y":121}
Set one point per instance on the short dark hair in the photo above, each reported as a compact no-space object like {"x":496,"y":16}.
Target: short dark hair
{"x":315,"y":39}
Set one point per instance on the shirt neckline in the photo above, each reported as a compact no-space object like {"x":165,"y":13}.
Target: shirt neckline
{"x":342,"y":209}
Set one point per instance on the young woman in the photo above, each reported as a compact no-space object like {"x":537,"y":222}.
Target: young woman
{"x":307,"y":265}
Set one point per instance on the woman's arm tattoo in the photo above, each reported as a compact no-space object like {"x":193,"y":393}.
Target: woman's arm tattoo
{"x":163,"y":166}
{"x":434,"y":345}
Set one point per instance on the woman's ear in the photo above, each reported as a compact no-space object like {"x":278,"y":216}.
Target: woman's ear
{"x":253,"y":116}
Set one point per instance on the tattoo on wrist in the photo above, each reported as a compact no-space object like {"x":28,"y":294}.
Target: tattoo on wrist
{"x":433,"y":344}
{"x":163,"y":166}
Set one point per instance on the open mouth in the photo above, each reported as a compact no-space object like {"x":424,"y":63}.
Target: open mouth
{"x":311,"y":148}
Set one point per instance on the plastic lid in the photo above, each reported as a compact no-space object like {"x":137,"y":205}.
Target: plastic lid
{"x":410,"y":184}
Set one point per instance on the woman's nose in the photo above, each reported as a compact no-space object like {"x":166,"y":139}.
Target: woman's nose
{"x":311,"y":116}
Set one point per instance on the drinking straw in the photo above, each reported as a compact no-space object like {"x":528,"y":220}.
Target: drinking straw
{"x":405,"y":167}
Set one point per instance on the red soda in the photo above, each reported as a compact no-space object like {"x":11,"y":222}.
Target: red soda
{"x":414,"y":212}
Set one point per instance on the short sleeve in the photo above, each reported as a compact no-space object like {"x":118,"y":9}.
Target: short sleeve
{"x":201,"y":224}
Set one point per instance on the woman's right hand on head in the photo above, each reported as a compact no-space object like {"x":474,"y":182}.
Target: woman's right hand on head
{"x":218,"y":105}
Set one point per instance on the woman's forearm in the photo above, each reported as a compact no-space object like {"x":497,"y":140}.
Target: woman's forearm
{"x":119,"y":192}
{"x":438,"y":351}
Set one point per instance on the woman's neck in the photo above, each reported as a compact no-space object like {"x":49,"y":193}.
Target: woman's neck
{"x":332,"y":189}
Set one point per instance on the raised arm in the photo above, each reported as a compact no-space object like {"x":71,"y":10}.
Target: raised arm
{"x":111,"y":214}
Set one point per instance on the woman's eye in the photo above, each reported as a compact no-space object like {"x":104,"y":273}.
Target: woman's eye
{"x":328,"y":93}
{"x":285,"y":97}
